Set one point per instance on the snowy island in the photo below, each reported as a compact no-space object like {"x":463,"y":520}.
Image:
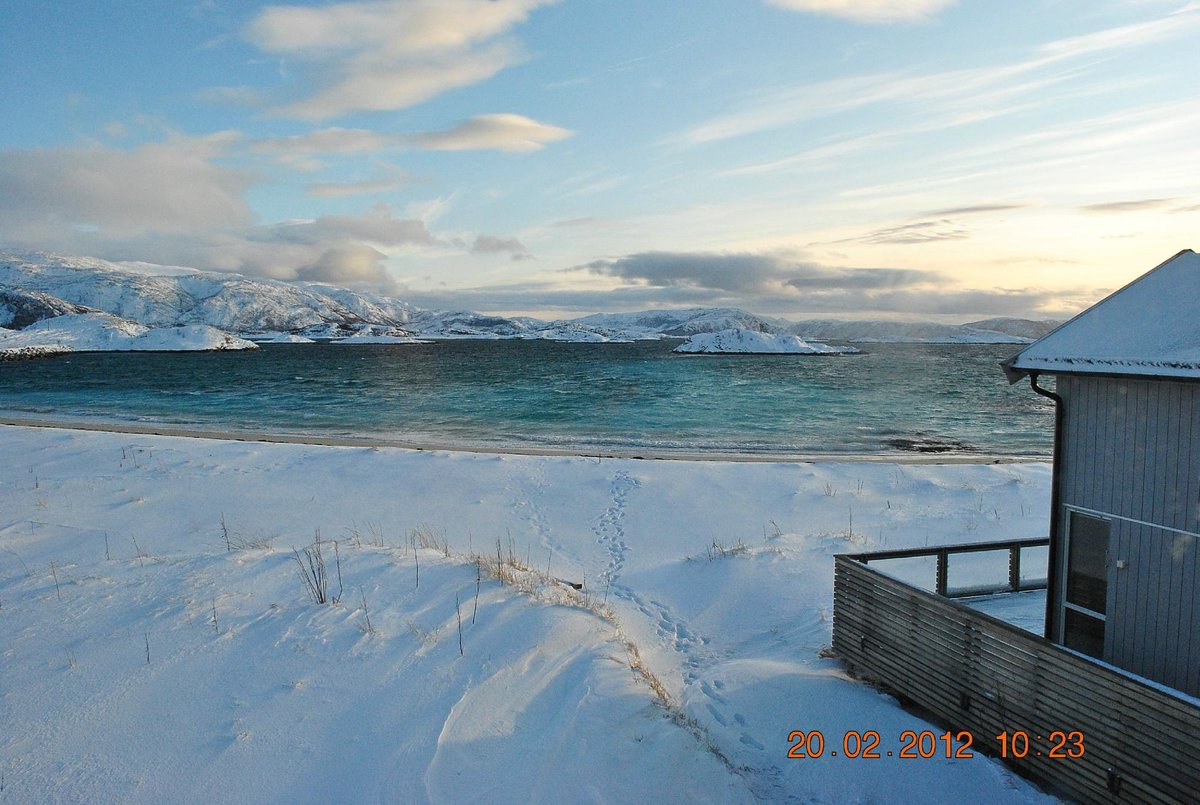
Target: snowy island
{"x":750,"y":342}
{"x":100,"y":332}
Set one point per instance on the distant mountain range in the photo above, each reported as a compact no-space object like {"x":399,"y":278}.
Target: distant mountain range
{"x":38,"y":286}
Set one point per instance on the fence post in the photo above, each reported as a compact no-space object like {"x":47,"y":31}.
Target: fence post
{"x":1014,"y":568}
{"x":942,"y":567}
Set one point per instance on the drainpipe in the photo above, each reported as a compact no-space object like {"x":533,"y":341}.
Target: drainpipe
{"x":1052,"y":570}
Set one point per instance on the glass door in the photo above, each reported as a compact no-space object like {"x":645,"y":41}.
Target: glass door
{"x":1085,"y":591}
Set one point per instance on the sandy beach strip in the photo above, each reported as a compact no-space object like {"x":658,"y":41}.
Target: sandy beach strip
{"x":515,"y":450}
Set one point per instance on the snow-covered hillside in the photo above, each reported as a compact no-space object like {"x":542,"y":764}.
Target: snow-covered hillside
{"x":101,"y":332}
{"x":990,"y":331}
{"x":754,"y":343}
{"x":20,"y":308}
{"x":226,"y":301}
{"x":468,"y":324}
{"x":37,"y":285}
{"x":681,"y":323}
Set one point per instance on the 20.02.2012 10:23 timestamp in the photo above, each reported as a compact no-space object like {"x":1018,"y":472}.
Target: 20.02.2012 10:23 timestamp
{"x":925,"y":744}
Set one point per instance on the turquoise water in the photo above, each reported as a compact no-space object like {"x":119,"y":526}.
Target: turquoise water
{"x":895,"y":399}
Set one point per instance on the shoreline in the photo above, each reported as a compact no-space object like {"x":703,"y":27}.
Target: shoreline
{"x":631,"y":453}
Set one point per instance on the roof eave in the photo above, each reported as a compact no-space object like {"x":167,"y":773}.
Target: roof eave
{"x":1012,"y":372}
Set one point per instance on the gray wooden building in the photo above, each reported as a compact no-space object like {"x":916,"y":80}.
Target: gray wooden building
{"x":1124,"y":575}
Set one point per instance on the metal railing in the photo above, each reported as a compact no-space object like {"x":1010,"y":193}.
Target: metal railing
{"x":942,"y":553}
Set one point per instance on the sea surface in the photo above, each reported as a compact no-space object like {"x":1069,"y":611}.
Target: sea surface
{"x":892,"y":400}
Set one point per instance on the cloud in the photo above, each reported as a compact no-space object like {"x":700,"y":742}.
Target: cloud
{"x":232,"y":96}
{"x":172,"y":203}
{"x":382,"y":88}
{"x":868,"y":10}
{"x":1128,"y":206}
{"x":860,"y":278}
{"x":344,"y":189}
{"x":170,"y":187}
{"x":955,"y":97}
{"x":378,"y":226}
{"x":489,"y":244}
{"x":1124,"y":36}
{"x":585,"y":221}
{"x":499,"y":132}
{"x":383,"y":55}
{"x":347,"y":264}
{"x":769,"y":284}
{"x":339,"y":249}
{"x":916,"y":232}
{"x":977,"y":209}
{"x":553,"y":300}
{"x":327,"y":141}
{"x":748,"y":273}
{"x":495,"y":132}
{"x":741,"y":273}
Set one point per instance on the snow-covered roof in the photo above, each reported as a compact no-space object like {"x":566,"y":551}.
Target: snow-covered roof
{"x":1148,"y":328}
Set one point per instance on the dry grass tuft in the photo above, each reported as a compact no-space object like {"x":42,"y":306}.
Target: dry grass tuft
{"x":426,"y":536}
{"x":718,"y":550}
{"x":314,"y":573}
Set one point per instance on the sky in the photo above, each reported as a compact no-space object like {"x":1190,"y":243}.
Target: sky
{"x":913,"y":159}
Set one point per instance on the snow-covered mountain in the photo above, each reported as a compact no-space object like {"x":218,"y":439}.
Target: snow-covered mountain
{"x":1021,"y":328}
{"x":989,"y":331}
{"x":20,"y":308}
{"x":694,"y":321}
{"x":228,"y":302}
{"x":751,"y":342}
{"x":36,"y":286}
{"x":681,"y":323}
{"x":468,"y":324}
{"x":369,"y":307}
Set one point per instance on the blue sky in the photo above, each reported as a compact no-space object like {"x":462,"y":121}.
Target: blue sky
{"x":803,"y":158}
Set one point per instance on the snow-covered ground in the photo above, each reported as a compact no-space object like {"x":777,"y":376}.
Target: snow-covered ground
{"x":756,"y":343}
{"x":157,"y":643}
{"x":101,"y":332}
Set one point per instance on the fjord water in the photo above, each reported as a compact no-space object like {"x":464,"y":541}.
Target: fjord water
{"x":892,"y":400}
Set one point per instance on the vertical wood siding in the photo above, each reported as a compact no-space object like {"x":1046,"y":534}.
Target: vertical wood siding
{"x":1131,"y":450}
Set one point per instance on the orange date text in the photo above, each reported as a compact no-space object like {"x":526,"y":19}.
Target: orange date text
{"x":926,"y":744}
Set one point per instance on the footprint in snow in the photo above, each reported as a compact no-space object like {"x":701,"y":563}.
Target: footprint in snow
{"x":748,"y":740}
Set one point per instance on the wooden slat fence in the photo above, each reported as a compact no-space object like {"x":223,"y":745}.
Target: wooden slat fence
{"x":977,"y":673}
